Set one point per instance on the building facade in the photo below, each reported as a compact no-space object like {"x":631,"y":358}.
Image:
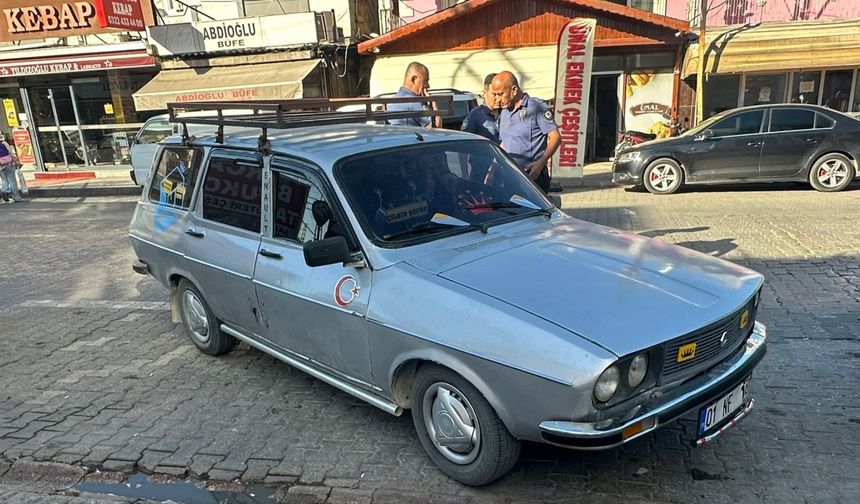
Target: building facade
{"x":67,"y":71}
{"x":637,"y":57}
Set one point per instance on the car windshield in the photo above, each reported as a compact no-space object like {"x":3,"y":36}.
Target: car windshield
{"x":702,"y":126}
{"x":423,"y":192}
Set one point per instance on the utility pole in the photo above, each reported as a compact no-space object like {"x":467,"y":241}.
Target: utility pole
{"x":700,"y":72}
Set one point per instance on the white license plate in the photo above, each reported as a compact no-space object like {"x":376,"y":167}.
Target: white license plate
{"x":717,"y":411}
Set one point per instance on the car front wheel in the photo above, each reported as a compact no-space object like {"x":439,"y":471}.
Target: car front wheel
{"x":459,"y":429}
{"x":663,"y":176}
{"x":831,"y":173}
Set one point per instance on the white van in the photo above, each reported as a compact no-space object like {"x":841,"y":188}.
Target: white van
{"x":145,"y":145}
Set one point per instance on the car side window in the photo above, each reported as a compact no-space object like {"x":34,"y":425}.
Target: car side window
{"x":791,"y":119}
{"x":155,"y":132}
{"x":822,"y":121}
{"x":232,"y":190}
{"x":175,"y":175}
{"x":302,"y":212}
{"x":743,"y":123}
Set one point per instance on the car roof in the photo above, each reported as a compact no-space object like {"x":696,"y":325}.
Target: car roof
{"x":325,"y":145}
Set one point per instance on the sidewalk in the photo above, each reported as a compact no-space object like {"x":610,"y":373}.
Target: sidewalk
{"x":80,"y":183}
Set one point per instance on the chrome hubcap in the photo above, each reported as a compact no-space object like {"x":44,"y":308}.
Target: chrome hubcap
{"x":195,"y":317}
{"x":663,"y":177}
{"x":451,"y":422}
{"x":832,"y":173}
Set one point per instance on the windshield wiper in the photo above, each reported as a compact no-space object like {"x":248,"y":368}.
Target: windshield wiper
{"x":427,"y":227}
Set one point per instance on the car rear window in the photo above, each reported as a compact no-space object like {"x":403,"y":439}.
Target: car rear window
{"x":822,"y":121}
{"x":791,"y":119}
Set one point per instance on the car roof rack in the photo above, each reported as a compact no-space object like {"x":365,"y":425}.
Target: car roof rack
{"x":285,"y":114}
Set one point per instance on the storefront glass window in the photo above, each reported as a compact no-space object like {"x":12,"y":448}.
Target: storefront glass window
{"x":837,"y":89}
{"x":721,"y":93}
{"x":763,"y":89}
{"x":650,"y":60}
{"x":805,"y":87}
{"x":857,"y":95}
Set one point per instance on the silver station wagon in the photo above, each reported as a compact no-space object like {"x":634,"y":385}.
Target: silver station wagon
{"x":420,"y":269}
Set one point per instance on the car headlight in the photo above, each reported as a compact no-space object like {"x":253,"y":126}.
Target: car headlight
{"x":637,"y":370}
{"x":629,"y":156}
{"x":607,"y":384}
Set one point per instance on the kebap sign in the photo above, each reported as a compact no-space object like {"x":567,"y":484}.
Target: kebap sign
{"x":572,"y":88}
{"x":39,"y":19}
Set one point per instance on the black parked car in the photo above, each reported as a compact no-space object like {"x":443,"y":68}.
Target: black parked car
{"x":763,"y":143}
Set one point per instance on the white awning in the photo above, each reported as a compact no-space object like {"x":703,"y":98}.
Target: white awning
{"x":534,"y":67}
{"x":266,"y":81}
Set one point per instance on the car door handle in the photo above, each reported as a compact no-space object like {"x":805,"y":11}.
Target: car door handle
{"x":269,"y":253}
{"x":812,"y":140}
{"x":753,"y":144}
{"x":195,"y":233}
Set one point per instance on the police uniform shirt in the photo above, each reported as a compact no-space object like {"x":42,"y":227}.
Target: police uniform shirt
{"x":482,"y":122}
{"x":523,"y":130}
{"x":400,"y":107}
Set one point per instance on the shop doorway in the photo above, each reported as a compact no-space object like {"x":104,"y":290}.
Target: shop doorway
{"x":603,"y":117}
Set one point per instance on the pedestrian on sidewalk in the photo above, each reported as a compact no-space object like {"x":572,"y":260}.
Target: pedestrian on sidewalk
{"x":8,"y":164}
{"x":526,"y":127}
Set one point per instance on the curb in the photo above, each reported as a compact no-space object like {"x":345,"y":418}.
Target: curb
{"x":83,"y":192}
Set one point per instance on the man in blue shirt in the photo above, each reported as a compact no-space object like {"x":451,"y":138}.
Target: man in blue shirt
{"x":416,"y":83}
{"x":483,"y":120}
{"x":526,"y":127}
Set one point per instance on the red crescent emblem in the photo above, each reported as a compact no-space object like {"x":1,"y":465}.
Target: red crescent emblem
{"x":346,"y":290}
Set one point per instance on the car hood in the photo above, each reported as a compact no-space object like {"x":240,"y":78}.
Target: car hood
{"x":620,"y":290}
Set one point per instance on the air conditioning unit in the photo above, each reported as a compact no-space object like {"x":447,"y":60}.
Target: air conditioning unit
{"x":327,"y":30}
{"x":761,"y":3}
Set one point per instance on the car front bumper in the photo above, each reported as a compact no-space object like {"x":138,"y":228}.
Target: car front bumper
{"x":627,"y":172}
{"x":690,"y":396}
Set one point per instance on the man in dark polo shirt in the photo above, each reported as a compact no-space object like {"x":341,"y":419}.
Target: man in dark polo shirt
{"x":416,"y":83}
{"x":526,"y":128}
{"x":483,"y":120}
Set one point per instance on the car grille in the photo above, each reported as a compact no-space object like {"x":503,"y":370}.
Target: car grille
{"x":709,"y":347}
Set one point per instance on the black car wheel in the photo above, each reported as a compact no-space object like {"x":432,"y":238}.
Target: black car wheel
{"x":831,"y":172}
{"x":663,"y":176}
{"x":459,"y":429}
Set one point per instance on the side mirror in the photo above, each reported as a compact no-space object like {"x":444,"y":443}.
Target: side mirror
{"x":705,"y":135}
{"x":328,"y":251}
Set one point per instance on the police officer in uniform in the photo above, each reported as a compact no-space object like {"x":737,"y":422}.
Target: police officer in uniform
{"x":483,"y":120}
{"x":526,"y":127}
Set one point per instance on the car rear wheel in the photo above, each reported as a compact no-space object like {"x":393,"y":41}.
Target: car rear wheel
{"x":200,"y":324}
{"x":459,"y":429}
{"x":663,"y":176}
{"x":831,"y":173}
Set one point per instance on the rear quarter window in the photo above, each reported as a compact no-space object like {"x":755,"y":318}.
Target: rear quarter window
{"x":175,"y":176}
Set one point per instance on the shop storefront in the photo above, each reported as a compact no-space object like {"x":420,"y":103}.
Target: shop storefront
{"x":74,"y":101}
{"x":636,"y":58}
{"x":253,"y":58}
{"x":795,"y":62}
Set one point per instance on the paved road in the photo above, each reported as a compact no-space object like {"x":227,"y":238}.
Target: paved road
{"x":94,"y":374}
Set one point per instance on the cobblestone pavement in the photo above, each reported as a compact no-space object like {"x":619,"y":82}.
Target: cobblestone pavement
{"x":94,"y":375}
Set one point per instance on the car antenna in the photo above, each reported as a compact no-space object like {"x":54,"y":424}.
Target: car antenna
{"x":420,"y":138}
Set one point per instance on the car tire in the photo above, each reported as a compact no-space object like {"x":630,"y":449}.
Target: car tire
{"x":831,"y":172}
{"x":441,"y":398}
{"x":200,"y":323}
{"x":663,"y":176}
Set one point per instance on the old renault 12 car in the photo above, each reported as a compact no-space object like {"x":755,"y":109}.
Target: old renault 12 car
{"x":764,"y":143}
{"x":420,"y":269}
